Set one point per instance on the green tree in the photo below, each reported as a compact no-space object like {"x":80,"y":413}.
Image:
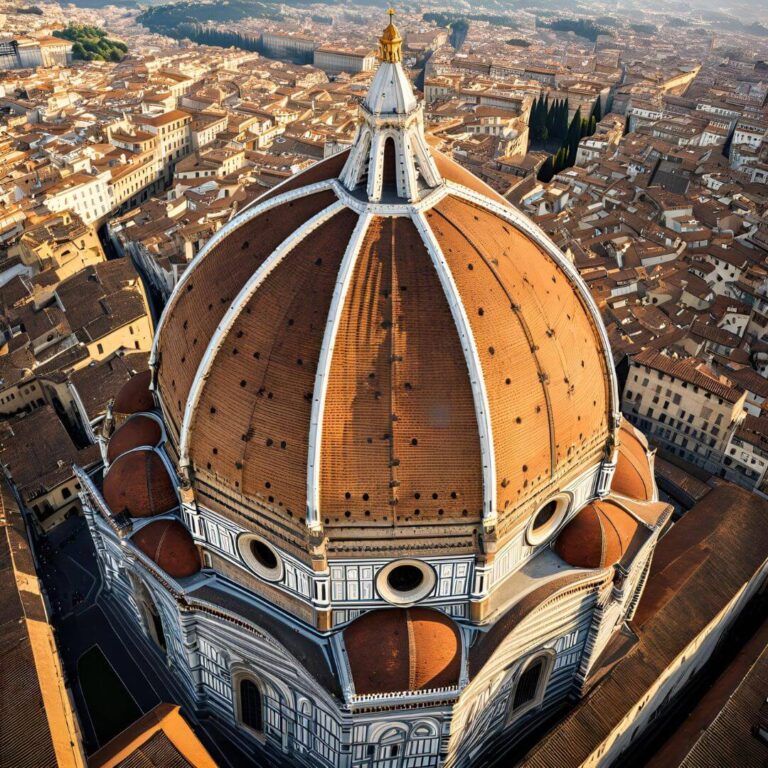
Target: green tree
{"x":563,"y":121}
{"x":532,"y":119}
{"x":546,"y":172}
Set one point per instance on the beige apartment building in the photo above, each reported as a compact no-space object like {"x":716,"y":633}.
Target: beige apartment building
{"x":60,"y":242}
{"x":174,"y":134}
{"x":21,"y":393}
{"x":334,"y":60}
{"x":36,"y":455}
{"x":88,"y":196}
{"x":135,"y":180}
{"x":687,"y":410}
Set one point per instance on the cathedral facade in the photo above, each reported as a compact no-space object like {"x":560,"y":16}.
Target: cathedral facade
{"x":374,"y":500}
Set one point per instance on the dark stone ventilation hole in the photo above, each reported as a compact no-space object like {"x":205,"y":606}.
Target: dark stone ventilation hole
{"x":544,"y":515}
{"x":405,"y":578}
{"x":243,"y":382}
{"x":263,"y":554}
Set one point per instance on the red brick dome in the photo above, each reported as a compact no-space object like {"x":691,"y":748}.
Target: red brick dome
{"x":403,"y":649}
{"x":134,"y":396}
{"x":136,"y":432}
{"x":339,"y":355}
{"x":138,"y":484}
{"x":170,"y":545}
{"x":597,"y":537}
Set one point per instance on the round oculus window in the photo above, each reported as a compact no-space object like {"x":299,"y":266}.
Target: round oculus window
{"x":547,"y":520}
{"x":405,"y":581}
{"x":261,"y":557}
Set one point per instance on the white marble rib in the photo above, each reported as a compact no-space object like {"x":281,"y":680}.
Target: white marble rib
{"x":231,"y":315}
{"x":343,"y":280}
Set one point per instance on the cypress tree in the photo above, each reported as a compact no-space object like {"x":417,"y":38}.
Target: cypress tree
{"x":541,"y":120}
{"x":564,"y":118}
{"x":546,"y":171}
{"x":597,"y":111}
{"x":574,"y":130}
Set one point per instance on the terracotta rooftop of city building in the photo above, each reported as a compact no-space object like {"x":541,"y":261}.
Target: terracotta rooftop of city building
{"x":634,"y":474}
{"x":134,"y":396}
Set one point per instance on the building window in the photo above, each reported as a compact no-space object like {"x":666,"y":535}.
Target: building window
{"x":250,"y":705}
{"x":66,"y":493}
{"x":527,"y":685}
{"x":530,"y":685}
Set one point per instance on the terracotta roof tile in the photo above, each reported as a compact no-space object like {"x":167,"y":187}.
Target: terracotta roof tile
{"x":633,"y":476}
{"x":403,"y":649}
{"x":134,"y":396}
{"x":598,"y":536}
{"x":136,"y":432}
{"x":138,"y":483}
{"x":170,"y":545}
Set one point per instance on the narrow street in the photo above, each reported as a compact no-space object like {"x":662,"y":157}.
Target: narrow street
{"x":84,"y":615}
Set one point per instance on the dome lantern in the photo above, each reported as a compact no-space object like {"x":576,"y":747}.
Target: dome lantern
{"x":390,"y":43}
{"x":390,"y":160}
